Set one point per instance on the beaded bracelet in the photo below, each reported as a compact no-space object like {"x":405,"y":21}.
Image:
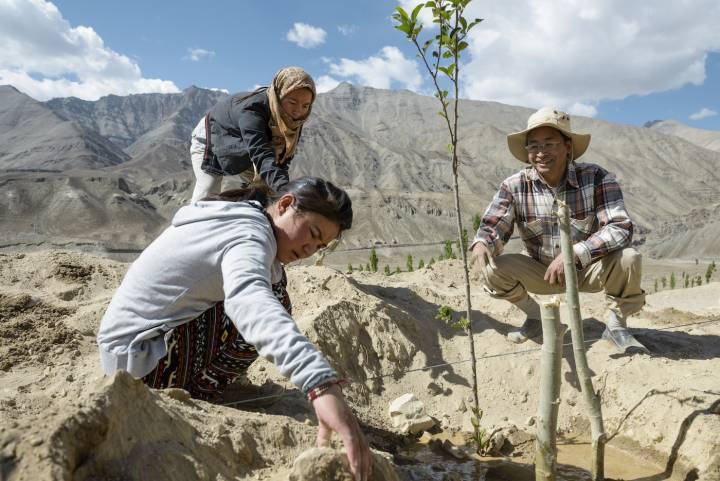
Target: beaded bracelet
{"x":319,"y":390}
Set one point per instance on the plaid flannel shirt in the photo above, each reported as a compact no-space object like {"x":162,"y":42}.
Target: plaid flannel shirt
{"x":600,"y":223}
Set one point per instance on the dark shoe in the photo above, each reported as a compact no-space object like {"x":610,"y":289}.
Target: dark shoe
{"x":530,"y":329}
{"x":624,"y":341}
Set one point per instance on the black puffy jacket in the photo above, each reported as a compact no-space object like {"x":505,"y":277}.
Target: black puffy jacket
{"x":238,"y":134}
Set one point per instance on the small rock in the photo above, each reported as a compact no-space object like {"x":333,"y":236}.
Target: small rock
{"x":495,"y":444}
{"x":454,"y":451}
{"x":408,"y":414}
{"x":524,"y":397}
{"x":571,"y":402}
{"x":36,"y":442}
{"x":177,"y":394}
{"x":530,"y":421}
{"x":261,"y":368}
{"x":461,"y":406}
{"x":69,"y":378}
{"x":426,"y":437}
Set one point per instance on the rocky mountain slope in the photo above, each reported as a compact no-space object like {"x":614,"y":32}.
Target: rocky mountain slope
{"x":33,"y":136}
{"x":387,"y":147}
{"x":708,"y":139}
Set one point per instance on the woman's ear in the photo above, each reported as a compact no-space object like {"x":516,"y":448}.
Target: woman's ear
{"x":285,"y":202}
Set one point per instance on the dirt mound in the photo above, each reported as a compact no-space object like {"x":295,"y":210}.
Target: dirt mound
{"x":325,"y":464}
{"x":121,"y":430}
{"x":70,"y":268}
{"x":30,"y":330}
{"x":59,"y":418}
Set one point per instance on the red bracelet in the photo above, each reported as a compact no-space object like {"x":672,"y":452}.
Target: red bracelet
{"x":319,"y":390}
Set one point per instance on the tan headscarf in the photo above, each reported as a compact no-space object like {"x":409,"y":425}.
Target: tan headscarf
{"x":285,"y":130}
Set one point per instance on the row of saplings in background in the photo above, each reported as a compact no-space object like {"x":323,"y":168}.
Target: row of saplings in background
{"x":687,"y":280}
{"x":410,"y":266}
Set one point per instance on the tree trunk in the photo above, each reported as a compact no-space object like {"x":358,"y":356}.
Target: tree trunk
{"x":592,"y":400}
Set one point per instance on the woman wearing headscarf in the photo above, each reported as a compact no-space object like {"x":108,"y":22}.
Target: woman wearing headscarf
{"x":250,"y":134}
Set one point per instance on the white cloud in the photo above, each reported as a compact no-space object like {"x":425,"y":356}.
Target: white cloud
{"x":573,"y":55}
{"x":325,"y":83}
{"x":218,"y":89}
{"x":380,"y":71}
{"x":43,"y":56}
{"x":347,"y":30}
{"x":703,"y":114}
{"x":306,"y":36}
{"x":197,"y":54}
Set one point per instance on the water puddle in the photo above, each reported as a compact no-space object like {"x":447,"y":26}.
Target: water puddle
{"x":438,"y":458}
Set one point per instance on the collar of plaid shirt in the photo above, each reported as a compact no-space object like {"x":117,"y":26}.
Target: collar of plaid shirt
{"x":570,"y":176}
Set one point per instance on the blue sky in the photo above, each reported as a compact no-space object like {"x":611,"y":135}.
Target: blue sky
{"x":626,"y":62}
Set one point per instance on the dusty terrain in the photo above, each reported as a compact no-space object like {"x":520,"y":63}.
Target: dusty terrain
{"x":60,"y":419}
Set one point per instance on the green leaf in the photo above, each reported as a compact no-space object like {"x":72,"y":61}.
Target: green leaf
{"x":403,"y":14}
{"x":462,"y":46}
{"x":416,"y":11}
{"x":463,"y":23}
{"x":427,"y":45}
{"x":473,"y":23}
{"x":405,"y":28}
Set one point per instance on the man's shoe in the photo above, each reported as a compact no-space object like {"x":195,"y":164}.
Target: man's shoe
{"x":624,"y":341}
{"x":530,"y":329}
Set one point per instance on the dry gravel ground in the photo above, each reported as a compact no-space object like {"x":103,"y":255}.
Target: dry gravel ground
{"x":60,"y":419}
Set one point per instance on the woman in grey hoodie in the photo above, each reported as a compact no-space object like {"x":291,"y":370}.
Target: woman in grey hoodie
{"x":197,"y":307}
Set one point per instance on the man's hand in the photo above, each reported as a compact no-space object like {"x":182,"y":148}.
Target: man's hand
{"x":555,"y":273}
{"x":333,"y":414}
{"x":482,"y":258}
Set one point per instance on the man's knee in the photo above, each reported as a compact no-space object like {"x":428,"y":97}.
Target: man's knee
{"x":630,"y":259}
{"x":503,"y":268}
{"x":503,"y":280}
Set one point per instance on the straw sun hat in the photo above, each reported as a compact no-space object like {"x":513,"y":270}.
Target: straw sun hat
{"x":547,"y":117}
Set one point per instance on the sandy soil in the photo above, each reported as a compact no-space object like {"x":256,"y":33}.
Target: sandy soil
{"x":60,"y":419}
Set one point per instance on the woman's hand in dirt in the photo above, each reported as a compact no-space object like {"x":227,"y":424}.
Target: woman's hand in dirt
{"x":333,"y":414}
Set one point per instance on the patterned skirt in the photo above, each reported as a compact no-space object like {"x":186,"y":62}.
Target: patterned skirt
{"x":208,"y":353}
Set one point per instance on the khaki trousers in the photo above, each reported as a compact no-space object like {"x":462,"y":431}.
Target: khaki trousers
{"x":618,"y":274}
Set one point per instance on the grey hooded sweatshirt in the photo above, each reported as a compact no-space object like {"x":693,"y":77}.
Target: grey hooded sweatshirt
{"x":213,"y":251}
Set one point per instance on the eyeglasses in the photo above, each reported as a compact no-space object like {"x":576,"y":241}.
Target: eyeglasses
{"x":546,"y":147}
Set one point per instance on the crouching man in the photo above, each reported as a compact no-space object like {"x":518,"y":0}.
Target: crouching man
{"x":601,"y":229}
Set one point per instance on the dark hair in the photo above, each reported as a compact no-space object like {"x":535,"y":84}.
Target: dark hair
{"x":312,"y":194}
